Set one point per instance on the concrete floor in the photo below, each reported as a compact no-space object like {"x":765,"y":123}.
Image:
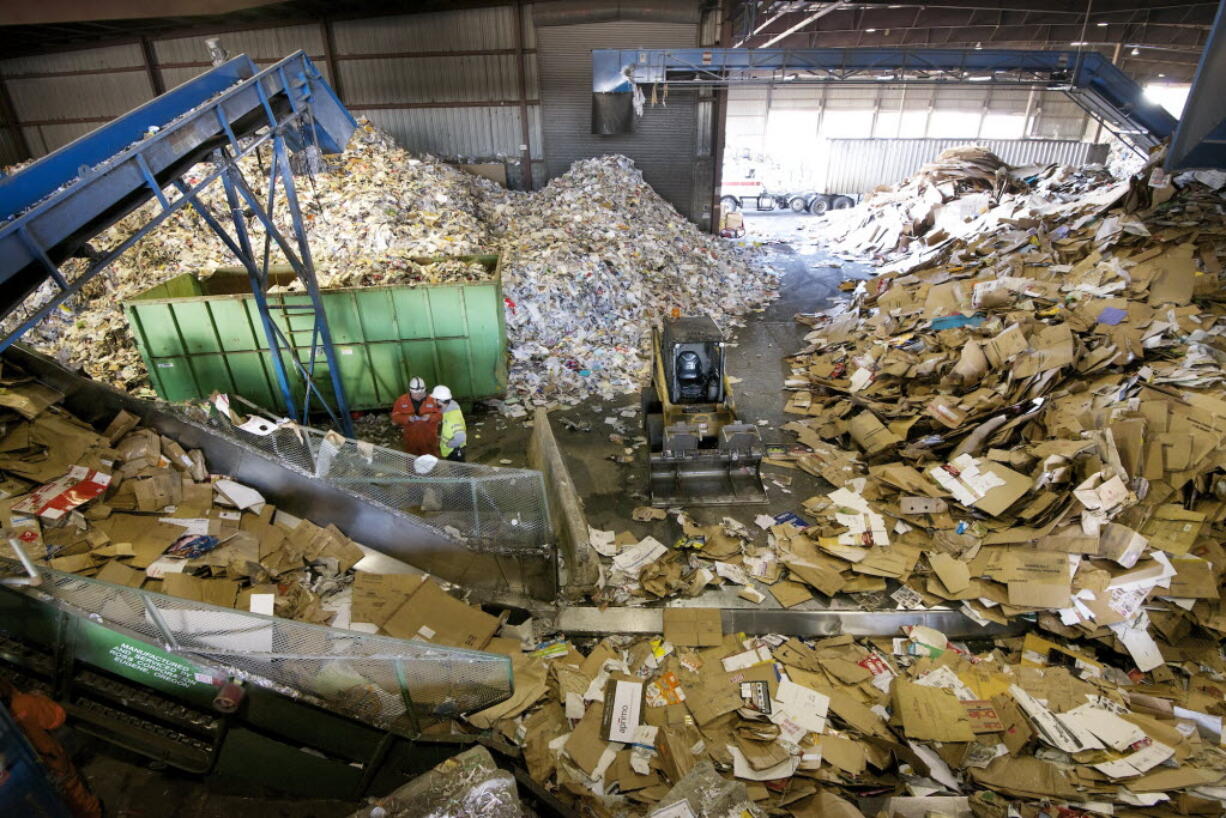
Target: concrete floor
{"x":610,"y":490}
{"x":129,"y":788}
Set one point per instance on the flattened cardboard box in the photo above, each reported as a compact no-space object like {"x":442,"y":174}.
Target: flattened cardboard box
{"x":693,"y":627}
{"x":931,"y":713}
{"x":585,"y":746}
{"x":433,"y":615}
{"x":623,"y":707}
{"x":377,"y":596}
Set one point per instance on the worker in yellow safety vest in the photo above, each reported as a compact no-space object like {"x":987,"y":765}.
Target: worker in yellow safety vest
{"x":452,"y":433}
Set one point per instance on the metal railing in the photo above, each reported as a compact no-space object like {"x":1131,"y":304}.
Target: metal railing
{"x":490,"y":509}
{"x":377,"y":679}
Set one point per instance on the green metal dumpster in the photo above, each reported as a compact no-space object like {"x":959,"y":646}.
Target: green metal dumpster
{"x":198,"y":336}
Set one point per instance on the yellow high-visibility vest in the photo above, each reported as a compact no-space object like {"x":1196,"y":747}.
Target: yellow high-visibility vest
{"x":452,"y":425}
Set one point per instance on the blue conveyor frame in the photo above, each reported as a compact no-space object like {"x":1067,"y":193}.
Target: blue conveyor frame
{"x":1200,"y":141}
{"x":51,"y":209}
{"x":1086,"y":76}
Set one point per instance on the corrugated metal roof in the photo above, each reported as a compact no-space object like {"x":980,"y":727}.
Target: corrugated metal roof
{"x":92,"y":59}
{"x":480,"y":29}
{"x":267,"y":43}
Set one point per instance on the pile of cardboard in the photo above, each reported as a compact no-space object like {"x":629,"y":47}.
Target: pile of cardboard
{"x":132,"y":507}
{"x":938,"y":202}
{"x":1031,"y":421}
{"x":697,"y":722}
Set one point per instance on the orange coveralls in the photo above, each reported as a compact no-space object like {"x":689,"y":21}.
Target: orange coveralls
{"x":419,"y":423}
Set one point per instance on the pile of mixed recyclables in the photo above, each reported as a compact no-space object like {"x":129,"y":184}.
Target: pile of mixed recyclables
{"x":588,"y":263}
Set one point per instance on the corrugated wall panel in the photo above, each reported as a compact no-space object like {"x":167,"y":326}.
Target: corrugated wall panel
{"x":174,"y":77}
{"x":10,"y":152}
{"x":438,"y":79}
{"x":663,"y":144}
{"x":859,"y":165}
{"x":265,"y":43}
{"x":88,"y":95}
{"x":536,"y":136}
{"x":482,"y":29}
{"x":452,"y":133}
{"x":93,"y":59}
{"x":43,"y":139}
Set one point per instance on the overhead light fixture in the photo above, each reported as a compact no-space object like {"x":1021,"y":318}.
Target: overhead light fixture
{"x":1078,"y":43}
{"x":870,"y":30}
{"x":979,"y":79}
{"x":1136,"y":52}
{"x":979,"y":46}
{"x":1103,"y":25}
{"x":1162,"y":76}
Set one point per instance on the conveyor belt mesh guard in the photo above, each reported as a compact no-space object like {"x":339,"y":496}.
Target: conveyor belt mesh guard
{"x":493,"y":510}
{"x":377,"y":679}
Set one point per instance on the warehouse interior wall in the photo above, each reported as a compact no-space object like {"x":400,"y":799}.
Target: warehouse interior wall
{"x":667,"y":141}
{"x":788,"y":125}
{"x":446,"y":83}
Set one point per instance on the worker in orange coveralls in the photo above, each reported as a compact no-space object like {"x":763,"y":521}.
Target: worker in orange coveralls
{"x":37,"y":716}
{"x":419,"y":415}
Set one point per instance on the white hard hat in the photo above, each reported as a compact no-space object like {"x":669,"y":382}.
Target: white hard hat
{"x":416,"y":384}
{"x":424,"y":463}
{"x":441,"y":393}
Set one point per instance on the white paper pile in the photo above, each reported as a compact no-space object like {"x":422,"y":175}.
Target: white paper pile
{"x":589,"y":262}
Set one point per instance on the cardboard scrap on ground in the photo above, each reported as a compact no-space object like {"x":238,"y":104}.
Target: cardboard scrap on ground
{"x":112,"y":504}
{"x":1023,"y":398}
{"x":966,"y":730}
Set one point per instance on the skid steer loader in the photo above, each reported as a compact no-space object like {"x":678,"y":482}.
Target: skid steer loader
{"x":700,"y":452}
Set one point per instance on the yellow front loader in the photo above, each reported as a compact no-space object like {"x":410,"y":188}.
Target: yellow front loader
{"x":701,"y":454}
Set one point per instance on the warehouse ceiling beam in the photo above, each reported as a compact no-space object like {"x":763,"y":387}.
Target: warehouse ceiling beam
{"x":817,"y":15}
{"x":777,"y":11}
{"x":1085,"y":76}
{"x":1041,"y":25}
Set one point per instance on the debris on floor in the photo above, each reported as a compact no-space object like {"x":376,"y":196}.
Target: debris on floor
{"x":697,"y":722}
{"x":132,"y":507}
{"x":468,"y":785}
{"x":1028,"y":420}
{"x":588,"y":263}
